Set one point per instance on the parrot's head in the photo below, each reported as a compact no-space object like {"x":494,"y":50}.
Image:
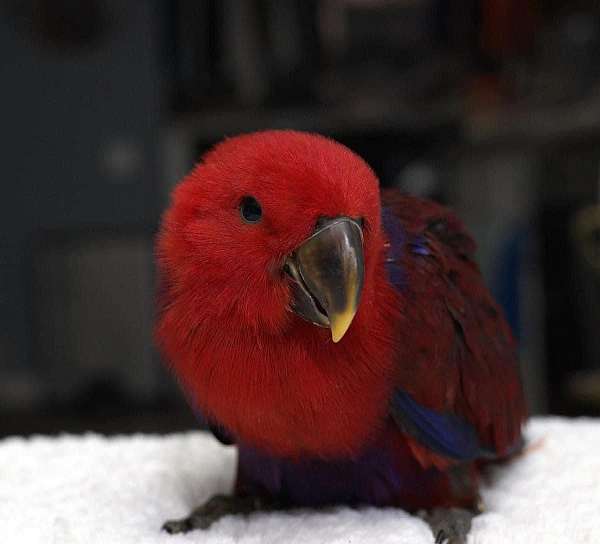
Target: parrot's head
{"x":271,"y":227}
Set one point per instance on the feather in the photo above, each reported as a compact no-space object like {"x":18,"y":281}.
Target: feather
{"x":445,"y":434}
{"x":458,"y":389}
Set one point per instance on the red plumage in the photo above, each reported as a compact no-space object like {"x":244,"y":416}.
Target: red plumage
{"x":463,"y":357}
{"x":278,"y":383}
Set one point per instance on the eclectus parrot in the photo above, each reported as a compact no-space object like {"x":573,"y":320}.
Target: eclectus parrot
{"x":343,"y":338}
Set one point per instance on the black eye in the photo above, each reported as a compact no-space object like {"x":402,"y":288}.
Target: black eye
{"x":250,"y":209}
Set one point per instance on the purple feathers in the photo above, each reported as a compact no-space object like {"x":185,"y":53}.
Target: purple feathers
{"x":396,"y":240}
{"x":374,"y":478}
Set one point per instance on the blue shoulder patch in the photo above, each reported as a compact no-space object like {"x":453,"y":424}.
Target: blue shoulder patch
{"x":396,"y":238}
{"x":420,"y":247}
{"x":397,"y":243}
{"x":445,"y":434}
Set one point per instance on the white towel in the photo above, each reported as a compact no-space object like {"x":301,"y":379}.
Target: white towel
{"x":91,"y":489}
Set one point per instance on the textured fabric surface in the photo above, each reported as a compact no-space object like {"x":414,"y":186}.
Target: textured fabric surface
{"x":90,"y":489}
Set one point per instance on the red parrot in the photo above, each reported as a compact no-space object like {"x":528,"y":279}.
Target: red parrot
{"x":342,"y":338}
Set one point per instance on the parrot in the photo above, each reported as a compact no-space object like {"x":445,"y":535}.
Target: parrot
{"x":340,"y":335}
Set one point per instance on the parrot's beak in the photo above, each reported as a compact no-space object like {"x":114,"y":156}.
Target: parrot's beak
{"x":328,"y":273}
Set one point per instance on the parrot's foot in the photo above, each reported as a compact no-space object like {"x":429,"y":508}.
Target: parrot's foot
{"x":449,"y":525}
{"x":214,"y":509}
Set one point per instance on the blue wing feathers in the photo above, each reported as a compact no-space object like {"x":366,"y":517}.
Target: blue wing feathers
{"x":444,"y":433}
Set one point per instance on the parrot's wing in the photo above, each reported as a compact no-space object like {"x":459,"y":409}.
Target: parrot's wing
{"x":458,"y":389}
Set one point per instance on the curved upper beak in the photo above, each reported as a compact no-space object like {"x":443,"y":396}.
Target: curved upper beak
{"x":328,"y":274}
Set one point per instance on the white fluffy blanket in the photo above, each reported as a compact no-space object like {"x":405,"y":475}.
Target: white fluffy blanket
{"x":91,"y":489}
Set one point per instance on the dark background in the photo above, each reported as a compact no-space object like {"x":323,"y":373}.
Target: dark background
{"x":491,"y":106}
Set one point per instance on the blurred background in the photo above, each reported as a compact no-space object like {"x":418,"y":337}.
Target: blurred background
{"x":491,"y":106}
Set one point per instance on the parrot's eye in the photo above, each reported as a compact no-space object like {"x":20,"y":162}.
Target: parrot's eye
{"x":250,"y":210}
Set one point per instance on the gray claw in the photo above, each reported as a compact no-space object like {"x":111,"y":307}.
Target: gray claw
{"x":451,"y":525}
{"x":176,"y":526}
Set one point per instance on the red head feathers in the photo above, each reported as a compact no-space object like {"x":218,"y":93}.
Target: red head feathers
{"x":227,"y":323}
